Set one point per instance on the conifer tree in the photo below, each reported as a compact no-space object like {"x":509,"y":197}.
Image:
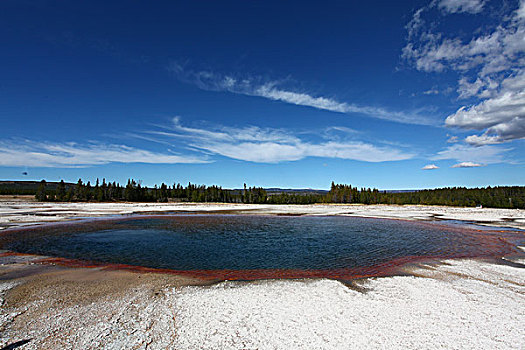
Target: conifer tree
{"x":79,"y":190}
{"x":41,"y":192}
{"x":70,"y":195}
{"x":61,"y":191}
{"x":87,"y":191}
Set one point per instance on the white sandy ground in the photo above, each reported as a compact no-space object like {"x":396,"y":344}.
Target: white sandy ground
{"x":16,"y":213}
{"x":454,"y":305}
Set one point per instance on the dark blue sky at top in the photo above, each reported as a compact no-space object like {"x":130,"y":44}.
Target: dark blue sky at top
{"x":101,"y":73}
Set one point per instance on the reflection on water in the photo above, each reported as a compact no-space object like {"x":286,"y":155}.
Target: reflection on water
{"x":234,"y":242}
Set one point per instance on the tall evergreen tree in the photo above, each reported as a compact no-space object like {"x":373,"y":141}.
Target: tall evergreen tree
{"x":79,"y":190}
{"x":61,"y":191}
{"x":41,"y":192}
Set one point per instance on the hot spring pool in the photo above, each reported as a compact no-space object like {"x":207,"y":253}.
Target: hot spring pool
{"x":250,"y":247}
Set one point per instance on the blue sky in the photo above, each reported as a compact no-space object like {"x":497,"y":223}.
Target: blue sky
{"x":386,"y":94}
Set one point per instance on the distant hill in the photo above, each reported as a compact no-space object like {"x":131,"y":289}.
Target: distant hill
{"x":27,"y":187}
{"x":400,"y":191}
{"x":276,"y":190}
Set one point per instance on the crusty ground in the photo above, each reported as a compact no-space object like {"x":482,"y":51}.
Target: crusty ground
{"x":45,"y":293}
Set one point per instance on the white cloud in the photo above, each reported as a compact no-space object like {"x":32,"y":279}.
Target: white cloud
{"x":342,"y":129}
{"x":483,"y":139}
{"x":265,"y":145}
{"x":271,"y":152}
{"x":465,"y":153}
{"x":270,"y":90}
{"x":430,"y":167}
{"x":39,"y":154}
{"x":481,"y":87}
{"x":416,"y":23}
{"x":467,"y":165}
{"x":503,"y":117}
{"x":492,"y":53}
{"x":457,"y":6}
{"x":520,"y":13}
{"x":492,"y":69}
{"x":432,"y":91}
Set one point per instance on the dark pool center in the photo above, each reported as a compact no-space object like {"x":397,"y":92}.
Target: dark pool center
{"x":243,"y":242}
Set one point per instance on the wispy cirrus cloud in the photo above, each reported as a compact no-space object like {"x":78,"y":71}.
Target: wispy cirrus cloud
{"x":198,"y":145}
{"x":491,"y":68}
{"x":267,"y":145}
{"x":69,"y":155}
{"x":466,"y":153}
{"x":458,"y":6}
{"x":467,"y":165}
{"x":271,"y":90}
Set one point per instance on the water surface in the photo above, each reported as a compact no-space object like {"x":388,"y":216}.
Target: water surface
{"x":240,"y":242}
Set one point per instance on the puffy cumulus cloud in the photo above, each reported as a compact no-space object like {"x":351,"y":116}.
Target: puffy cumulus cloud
{"x":455,"y":6}
{"x":467,"y":165}
{"x":503,"y":117}
{"x":255,"y":86}
{"x":486,"y":154}
{"x":505,"y":108}
{"x":265,"y":145}
{"x":430,"y":167}
{"x":67,"y":155}
{"x":491,"y":67}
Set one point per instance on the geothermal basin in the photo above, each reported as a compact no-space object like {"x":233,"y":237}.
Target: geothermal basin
{"x":249,"y":247}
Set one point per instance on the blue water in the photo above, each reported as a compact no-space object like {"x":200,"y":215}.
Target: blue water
{"x":213,"y":242}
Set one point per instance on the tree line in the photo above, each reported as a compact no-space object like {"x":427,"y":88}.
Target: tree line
{"x":494,"y":197}
{"x":135,"y":192}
